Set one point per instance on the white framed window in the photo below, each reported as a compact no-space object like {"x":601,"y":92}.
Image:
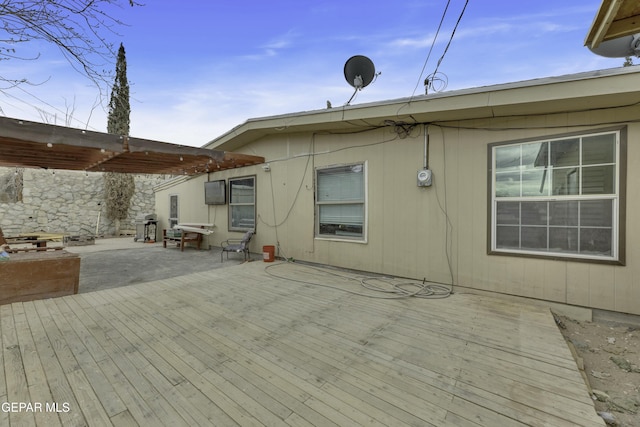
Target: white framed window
{"x":559,"y":197}
{"x":242,"y":203}
{"x":341,"y":207}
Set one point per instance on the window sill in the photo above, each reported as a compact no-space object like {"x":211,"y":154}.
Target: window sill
{"x":560,"y":257}
{"x":341,"y":239}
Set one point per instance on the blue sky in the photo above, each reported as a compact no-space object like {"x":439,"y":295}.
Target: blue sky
{"x":198,"y":68}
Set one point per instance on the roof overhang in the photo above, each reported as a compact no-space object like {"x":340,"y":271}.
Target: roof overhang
{"x":612,"y":88}
{"x":615,"y":19}
{"x":39,"y":145}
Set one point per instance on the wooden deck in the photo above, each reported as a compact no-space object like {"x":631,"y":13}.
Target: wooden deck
{"x":236,"y":346}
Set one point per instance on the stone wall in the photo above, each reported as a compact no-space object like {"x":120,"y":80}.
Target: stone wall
{"x":72,"y":202}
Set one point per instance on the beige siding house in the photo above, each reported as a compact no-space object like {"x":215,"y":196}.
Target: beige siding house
{"x":525,"y":189}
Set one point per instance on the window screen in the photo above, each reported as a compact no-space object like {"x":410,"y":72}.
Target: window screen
{"x":340,"y":201}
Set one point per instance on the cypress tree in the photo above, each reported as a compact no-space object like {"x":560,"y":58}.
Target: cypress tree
{"x":119,"y":187}
{"x":119,"y":107}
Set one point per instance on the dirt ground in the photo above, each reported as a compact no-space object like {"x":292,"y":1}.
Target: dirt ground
{"x":610,"y":353}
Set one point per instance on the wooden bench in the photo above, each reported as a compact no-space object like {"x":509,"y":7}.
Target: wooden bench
{"x":182,"y":239}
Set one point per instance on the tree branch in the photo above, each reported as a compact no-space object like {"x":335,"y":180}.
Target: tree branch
{"x":79,"y":28}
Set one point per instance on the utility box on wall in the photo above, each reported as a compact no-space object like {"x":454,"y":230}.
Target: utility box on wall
{"x":424,"y":178}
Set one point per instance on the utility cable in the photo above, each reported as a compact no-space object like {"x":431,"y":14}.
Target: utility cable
{"x":445,"y":210}
{"x":433,"y":43}
{"x":68,"y":117}
{"x":384,"y":287}
{"x":451,"y":38}
{"x":277,"y":224}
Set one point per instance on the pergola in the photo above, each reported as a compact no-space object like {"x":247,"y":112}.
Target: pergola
{"x":45,"y":146}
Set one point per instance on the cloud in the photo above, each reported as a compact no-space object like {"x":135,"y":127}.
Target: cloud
{"x":501,"y":29}
{"x":196,"y":112}
{"x":273,"y":47}
{"x":295,"y":64}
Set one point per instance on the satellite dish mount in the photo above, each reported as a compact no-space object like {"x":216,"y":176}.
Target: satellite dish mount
{"x":619,"y":47}
{"x":359,"y":71}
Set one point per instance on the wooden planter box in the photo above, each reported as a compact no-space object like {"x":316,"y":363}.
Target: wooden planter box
{"x":37,"y":275}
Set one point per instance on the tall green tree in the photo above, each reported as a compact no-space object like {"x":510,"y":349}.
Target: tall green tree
{"x":118,"y":120}
{"x":119,"y":187}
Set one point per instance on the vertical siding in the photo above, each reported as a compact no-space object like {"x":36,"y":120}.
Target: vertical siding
{"x":191,"y":207}
{"x":578,"y":284}
{"x":285,"y":197}
{"x":626,"y":281}
{"x":412,"y":229}
{"x":585,"y":284}
{"x":601,"y":286}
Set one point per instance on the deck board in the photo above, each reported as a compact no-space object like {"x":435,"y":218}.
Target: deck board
{"x":241,"y":347}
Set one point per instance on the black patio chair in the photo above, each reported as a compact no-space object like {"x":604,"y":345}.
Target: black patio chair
{"x":237,"y":245}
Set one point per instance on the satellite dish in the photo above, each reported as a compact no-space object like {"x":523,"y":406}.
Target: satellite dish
{"x":619,"y":48}
{"x":359,"y":71}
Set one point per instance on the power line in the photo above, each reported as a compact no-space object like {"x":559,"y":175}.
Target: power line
{"x":451,"y":38}
{"x":68,"y":116}
{"x":433,"y":43}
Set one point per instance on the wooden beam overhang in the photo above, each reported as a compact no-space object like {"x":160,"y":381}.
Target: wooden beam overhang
{"x":38,"y":145}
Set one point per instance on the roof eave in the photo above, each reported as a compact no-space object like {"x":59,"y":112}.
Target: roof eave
{"x":544,"y":95}
{"x":614,"y":19}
